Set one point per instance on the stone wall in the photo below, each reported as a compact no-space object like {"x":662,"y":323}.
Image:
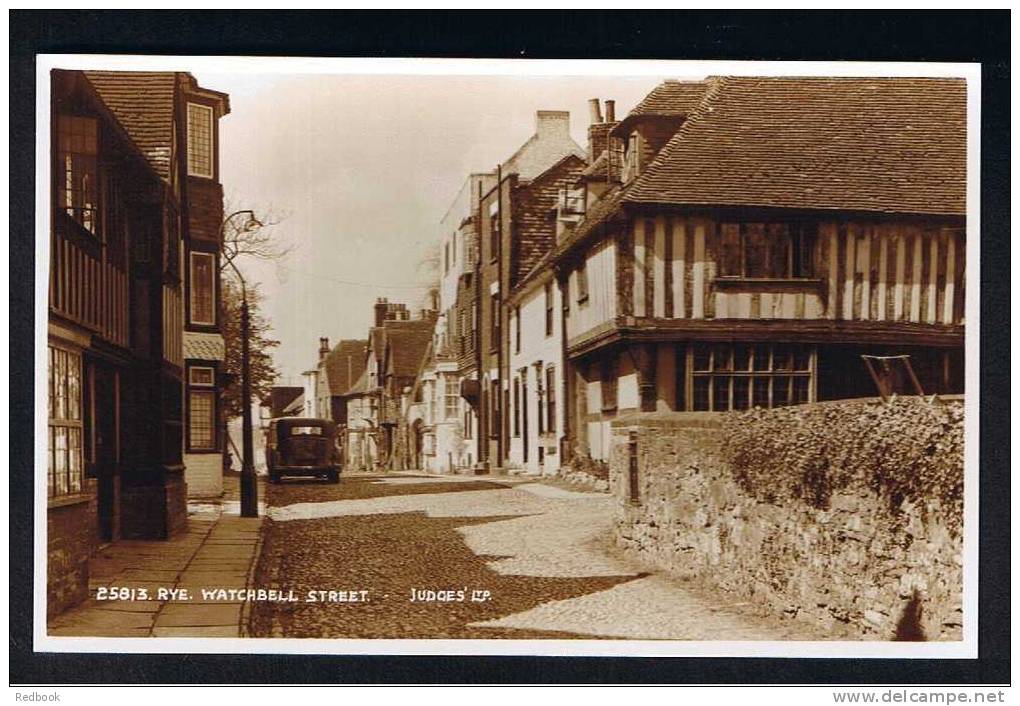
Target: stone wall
{"x":852,"y":569}
{"x":70,"y":541}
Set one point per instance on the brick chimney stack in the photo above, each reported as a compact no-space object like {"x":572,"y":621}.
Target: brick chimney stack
{"x":323,"y":347}
{"x":552,"y":122}
{"x":381,"y":305}
{"x":598,"y":131}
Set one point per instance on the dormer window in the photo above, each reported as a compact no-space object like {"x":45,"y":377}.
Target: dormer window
{"x":200,"y":140}
{"x":632,"y":157}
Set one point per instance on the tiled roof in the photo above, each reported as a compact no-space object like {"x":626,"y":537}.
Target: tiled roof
{"x":670,"y":99}
{"x":203,"y":346}
{"x":600,"y":211}
{"x":408,"y":342}
{"x":343,"y":365}
{"x":143,"y":103}
{"x":893,"y":145}
{"x":604,"y":168}
{"x":360,"y":386}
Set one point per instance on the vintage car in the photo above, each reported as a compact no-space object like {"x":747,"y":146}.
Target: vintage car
{"x":301,"y":446}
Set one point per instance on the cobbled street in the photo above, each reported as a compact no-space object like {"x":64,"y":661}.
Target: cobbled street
{"x":539,"y":551}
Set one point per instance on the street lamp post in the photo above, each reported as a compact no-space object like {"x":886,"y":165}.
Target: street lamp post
{"x":249,"y":487}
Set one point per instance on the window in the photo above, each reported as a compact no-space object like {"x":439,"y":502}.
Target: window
{"x":451,"y":396}
{"x":200,"y":140}
{"x":203,"y":288}
{"x":767,"y":250}
{"x":517,"y":329}
{"x":582,"y":283}
{"x":550,"y":399}
{"x":201,"y":376}
{"x":549,"y":314}
{"x":77,"y":146}
{"x":494,"y":420}
{"x":734,"y":377}
{"x":64,"y":450}
{"x":494,"y":227}
{"x":607,"y":377}
{"x":494,"y":330}
{"x":469,"y":428}
{"x":517,"y":406}
{"x":202,"y":420}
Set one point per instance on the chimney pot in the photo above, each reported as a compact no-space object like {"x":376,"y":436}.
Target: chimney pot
{"x":594,"y":111}
{"x":323,"y":347}
{"x":610,"y":111}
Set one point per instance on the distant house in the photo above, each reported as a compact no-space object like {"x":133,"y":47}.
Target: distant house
{"x":339,"y":368}
{"x":285,"y":401}
{"x":406,"y":346}
{"x":763,"y":234}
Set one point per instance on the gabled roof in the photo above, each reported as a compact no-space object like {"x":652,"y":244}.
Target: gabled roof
{"x":891,"y":145}
{"x":343,"y":365}
{"x":407,"y":343}
{"x":670,"y":99}
{"x":143,"y":103}
{"x":360,"y":386}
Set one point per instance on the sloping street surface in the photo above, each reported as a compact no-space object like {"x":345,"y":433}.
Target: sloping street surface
{"x":451,"y":557}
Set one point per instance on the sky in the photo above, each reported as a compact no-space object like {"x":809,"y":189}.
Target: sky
{"x":354,"y":173}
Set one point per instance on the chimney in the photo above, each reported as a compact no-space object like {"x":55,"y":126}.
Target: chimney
{"x":323,"y":347}
{"x":549,"y":123}
{"x":381,"y":305}
{"x":598,"y":131}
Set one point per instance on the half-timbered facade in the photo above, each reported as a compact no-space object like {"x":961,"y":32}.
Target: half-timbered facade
{"x":763,"y":235}
{"x":119,"y":237}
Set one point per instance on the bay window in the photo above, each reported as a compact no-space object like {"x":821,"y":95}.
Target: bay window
{"x":200,"y":140}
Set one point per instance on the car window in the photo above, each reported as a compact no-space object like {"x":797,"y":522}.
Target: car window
{"x":306,"y":431}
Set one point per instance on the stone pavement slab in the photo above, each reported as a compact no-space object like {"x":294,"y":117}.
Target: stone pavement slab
{"x":218,"y":550}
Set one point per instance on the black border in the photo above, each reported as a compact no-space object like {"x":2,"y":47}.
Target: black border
{"x":951,"y":36}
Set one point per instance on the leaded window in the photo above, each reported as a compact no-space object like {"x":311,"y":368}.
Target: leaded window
{"x":728,"y":377}
{"x":78,"y":147}
{"x":200,"y":140}
{"x":64,"y":447}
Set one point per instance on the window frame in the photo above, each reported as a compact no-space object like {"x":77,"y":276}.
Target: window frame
{"x":192,"y":288}
{"x":754,"y":372}
{"x":191,"y":167}
{"x":802,"y":243}
{"x":550,"y":315}
{"x":71,"y":421}
{"x":210,"y":393}
{"x":550,"y":399}
{"x":67,"y":160}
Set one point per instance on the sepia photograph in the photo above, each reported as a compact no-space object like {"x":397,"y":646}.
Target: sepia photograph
{"x":648,"y":358}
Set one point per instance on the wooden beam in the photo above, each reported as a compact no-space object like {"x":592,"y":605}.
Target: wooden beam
{"x":830,"y":235}
{"x":864,"y":267}
{"x":915,"y":277}
{"x":659,"y":268}
{"x":698,"y":293}
{"x":947,"y":302}
{"x":933,"y":272}
{"x":639,"y":267}
{"x":679,"y":236}
{"x":848,"y":274}
{"x":883,"y":262}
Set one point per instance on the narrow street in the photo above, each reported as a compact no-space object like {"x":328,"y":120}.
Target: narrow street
{"x":502,"y":558}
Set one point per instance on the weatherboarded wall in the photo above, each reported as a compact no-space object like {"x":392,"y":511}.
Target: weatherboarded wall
{"x":860,"y":566}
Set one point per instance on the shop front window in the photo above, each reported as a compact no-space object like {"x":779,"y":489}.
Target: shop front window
{"x":64,"y":447}
{"x":728,"y":377}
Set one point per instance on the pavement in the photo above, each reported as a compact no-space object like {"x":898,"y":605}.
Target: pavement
{"x":154,"y":588}
{"x":480,"y":557}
